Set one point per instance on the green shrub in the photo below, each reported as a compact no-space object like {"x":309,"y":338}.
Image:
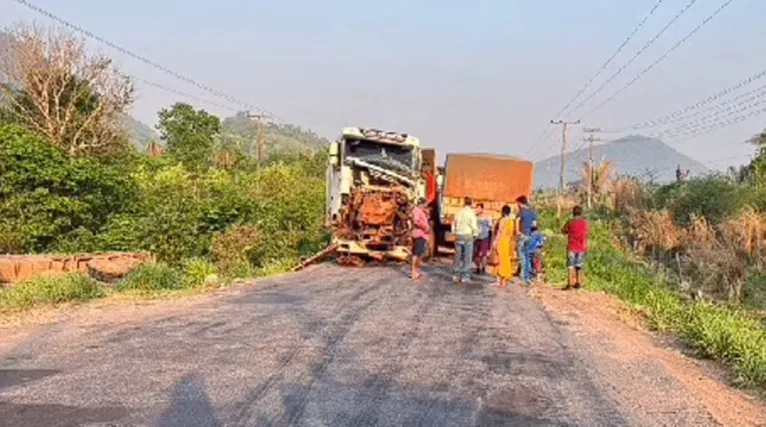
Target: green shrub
{"x":233,"y":249}
{"x":715,"y":198}
{"x":50,"y":290}
{"x":12,"y":241}
{"x":52,"y":203}
{"x":199,"y":271}
{"x":48,"y":195}
{"x":153,"y":277}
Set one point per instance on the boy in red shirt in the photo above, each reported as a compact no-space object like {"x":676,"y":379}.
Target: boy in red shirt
{"x":576,"y":230}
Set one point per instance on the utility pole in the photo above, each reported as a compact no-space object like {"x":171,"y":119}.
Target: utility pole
{"x":562,"y":173}
{"x":591,"y":171}
{"x":259,"y":142}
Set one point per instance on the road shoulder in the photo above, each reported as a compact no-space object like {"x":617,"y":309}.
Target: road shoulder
{"x":605,"y":323}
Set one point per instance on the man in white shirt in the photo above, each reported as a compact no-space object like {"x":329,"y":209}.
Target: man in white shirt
{"x":465,"y":229}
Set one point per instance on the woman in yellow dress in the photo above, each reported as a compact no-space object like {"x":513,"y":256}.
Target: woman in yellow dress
{"x":504,"y":245}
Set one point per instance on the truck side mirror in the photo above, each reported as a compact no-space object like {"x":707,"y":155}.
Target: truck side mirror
{"x":334,"y":150}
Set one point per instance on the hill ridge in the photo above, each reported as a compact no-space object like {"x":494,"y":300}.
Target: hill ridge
{"x":633,"y":155}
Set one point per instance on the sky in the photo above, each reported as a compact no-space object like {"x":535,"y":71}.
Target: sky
{"x":480,"y":76}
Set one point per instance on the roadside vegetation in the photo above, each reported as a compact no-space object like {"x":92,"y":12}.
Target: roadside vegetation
{"x":689,"y":256}
{"x":197,"y":197}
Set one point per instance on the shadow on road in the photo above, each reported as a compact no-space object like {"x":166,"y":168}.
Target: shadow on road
{"x":369,"y":404}
{"x":14,"y":377}
{"x":189,"y":406}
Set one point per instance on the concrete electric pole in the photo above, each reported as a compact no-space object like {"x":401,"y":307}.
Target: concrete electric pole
{"x":260,"y":142}
{"x":562,"y":173}
{"x":591,"y":166}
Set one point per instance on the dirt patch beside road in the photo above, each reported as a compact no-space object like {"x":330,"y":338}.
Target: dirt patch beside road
{"x":598,"y":317}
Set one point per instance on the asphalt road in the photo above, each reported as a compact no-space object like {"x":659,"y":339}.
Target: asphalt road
{"x":335,"y":347}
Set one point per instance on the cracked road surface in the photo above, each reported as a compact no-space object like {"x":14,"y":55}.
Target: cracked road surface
{"x":338,"y":347}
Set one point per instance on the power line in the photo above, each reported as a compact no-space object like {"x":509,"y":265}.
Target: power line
{"x":546,"y":131}
{"x":759,"y":92}
{"x":698,"y":104}
{"x":661,"y":58}
{"x":713,"y":117}
{"x":706,"y":120}
{"x":703,"y":130}
{"x":140,"y":58}
{"x":611,"y":58}
{"x":543,"y":135}
{"x":636,"y":55}
{"x":187,"y":95}
{"x":705,"y":116}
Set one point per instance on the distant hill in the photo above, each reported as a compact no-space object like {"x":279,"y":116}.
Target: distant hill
{"x":633,"y":155}
{"x":140,"y":133}
{"x":278,"y":138}
{"x":243,"y":132}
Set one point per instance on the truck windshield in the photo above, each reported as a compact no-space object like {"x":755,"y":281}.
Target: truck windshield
{"x":396,"y":158}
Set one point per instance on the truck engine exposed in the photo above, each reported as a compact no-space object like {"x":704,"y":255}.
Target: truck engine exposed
{"x":373,"y":182}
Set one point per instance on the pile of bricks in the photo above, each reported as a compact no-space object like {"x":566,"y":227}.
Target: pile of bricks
{"x":17,"y":268}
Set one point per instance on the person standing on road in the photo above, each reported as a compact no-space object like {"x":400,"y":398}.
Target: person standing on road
{"x":465,"y":229}
{"x":533,"y":253}
{"x":503,"y":246}
{"x":527,"y":220}
{"x":421,"y":231}
{"x":576,"y":229}
{"x":483,"y":241}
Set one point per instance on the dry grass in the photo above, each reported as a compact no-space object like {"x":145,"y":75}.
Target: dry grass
{"x":717,"y":261}
{"x":716,"y":331}
{"x":653,"y":231}
{"x":602,"y":175}
{"x":628,"y":193}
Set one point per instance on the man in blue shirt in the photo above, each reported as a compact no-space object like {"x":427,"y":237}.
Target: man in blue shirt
{"x":527,"y":216}
{"x":527,"y":220}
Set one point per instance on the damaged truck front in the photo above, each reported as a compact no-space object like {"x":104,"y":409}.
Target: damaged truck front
{"x":373,"y":181}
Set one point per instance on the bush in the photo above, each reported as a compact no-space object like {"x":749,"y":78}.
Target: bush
{"x":177,"y":213}
{"x":50,"y":202}
{"x":50,"y":290}
{"x":714,"y":198}
{"x":157,"y":277}
{"x":232,"y":250}
{"x":48,"y":196}
{"x":199,"y":272}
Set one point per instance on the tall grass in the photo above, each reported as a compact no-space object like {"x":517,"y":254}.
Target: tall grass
{"x":733,"y":336}
{"x":149,"y":278}
{"x":43,"y":290}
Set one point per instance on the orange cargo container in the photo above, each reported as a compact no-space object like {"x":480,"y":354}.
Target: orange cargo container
{"x":490,"y":179}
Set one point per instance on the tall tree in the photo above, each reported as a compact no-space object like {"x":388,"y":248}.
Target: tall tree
{"x":755,"y":171}
{"x":54,"y":87}
{"x":189,"y":134}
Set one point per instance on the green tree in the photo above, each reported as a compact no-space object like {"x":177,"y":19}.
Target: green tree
{"x":189,"y":134}
{"x":755,"y":171}
{"x":55,"y":88}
